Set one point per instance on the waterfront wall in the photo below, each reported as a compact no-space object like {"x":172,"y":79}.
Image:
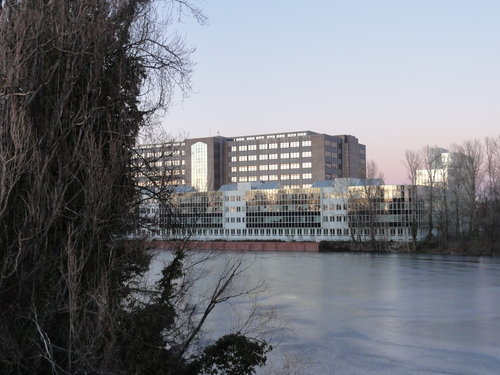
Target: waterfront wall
{"x":242,"y":245}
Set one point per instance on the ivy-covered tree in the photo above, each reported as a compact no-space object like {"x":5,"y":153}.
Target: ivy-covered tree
{"x":78,"y":81}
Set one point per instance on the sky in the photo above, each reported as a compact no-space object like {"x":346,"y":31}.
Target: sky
{"x":396,"y":74}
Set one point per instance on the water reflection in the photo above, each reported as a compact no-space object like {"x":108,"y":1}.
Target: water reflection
{"x":387,"y":314}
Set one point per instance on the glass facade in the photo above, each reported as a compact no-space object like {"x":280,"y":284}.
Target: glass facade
{"x":199,"y":166}
{"x":331,"y":210}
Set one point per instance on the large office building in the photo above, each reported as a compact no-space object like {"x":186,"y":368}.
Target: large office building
{"x":293,"y":159}
{"x":343,"y":209}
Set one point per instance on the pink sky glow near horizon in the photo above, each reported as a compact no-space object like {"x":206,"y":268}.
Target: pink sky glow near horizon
{"x":397,"y":75}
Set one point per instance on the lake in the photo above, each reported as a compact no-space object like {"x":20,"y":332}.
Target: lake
{"x":349,"y":313}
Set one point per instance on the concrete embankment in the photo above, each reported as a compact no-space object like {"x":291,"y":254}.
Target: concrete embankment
{"x":241,"y":245}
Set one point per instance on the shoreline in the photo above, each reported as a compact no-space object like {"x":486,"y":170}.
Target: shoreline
{"x":307,"y":246}
{"x":242,"y":245}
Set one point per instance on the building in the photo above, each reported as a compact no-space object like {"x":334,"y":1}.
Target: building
{"x":452,"y":196}
{"x":293,"y":159}
{"x":343,"y":209}
{"x":444,"y":168}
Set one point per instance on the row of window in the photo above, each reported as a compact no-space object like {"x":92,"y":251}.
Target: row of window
{"x":273,"y":177}
{"x":302,"y":134}
{"x":270,"y":146}
{"x":284,"y":155}
{"x":331,"y":154}
{"x":264,"y":197}
{"x":334,"y":207}
{"x":272,"y":167}
{"x":289,"y":232}
{"x":160,"y":154}
{"x":332,"y":219}
{"x":332,"y":144}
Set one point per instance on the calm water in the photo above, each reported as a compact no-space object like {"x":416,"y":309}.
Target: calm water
{"x":385,"y":314}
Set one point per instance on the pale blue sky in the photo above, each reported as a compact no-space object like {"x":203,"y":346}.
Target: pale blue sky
{"x":397,"y":74}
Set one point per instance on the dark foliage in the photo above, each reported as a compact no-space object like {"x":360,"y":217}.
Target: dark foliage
{"x":73,"y":75}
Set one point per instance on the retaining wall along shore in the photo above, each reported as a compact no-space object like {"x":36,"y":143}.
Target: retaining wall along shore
{"x":241,"y":246}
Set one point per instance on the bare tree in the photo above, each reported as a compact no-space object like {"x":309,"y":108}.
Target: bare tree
{"x":365,"y":203}
{"x":78,"y":81}
{"x":432,"y":165}
{"x":490,"y":204}
{"x":468,"y":173}
{"x":413,"y":163}
{"x":442,"y":208}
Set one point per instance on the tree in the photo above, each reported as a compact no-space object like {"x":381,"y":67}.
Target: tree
{"x":234,"y":354}
{"x":490,"y":205}
{"x":365,"y":203}
{"x":78,"y":81}
{"x":432,"y":163}
{"x":413,"y":163}
{"x":468,"y":172}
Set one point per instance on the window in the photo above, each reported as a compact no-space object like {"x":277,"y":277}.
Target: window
{"x":306,"y":143}
{"x":263,"y":167}
{"x":262,"y":157}
{"x":273,"y":156}
{"x":263,"y":146}
{"x":252,"y":147}
{"x":295,"y":176}
{"x":243,"y":169}
{"x":243,"y":158}
{"x":232,"y":149}
{"x":306,"y":154}
{"x":285,"y":166}
{"x":233,"y":159}
{"x":294,"y":155}
{"x":273,"y":145}
{"x":252,"y":157}
{"x":252,"y":168}
{"x":234,"y":169}
{"x":243,"y":148}
{"x":306,"y":175}
{"x":294,"y":144}
{"x":264,"y":178}
{"x":284,"y":144}
{"x":273,"y":167}
{"x":199,"y":166}
{"x":273,"y":177}
{"x":285,"y":176}
{"x":295,"y":165}
{"x":285,"y":155}
{"x":306,"y":165}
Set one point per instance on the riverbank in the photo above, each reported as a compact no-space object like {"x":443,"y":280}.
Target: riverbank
{"x":241,"y":245}
{"x":324,"y":246}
